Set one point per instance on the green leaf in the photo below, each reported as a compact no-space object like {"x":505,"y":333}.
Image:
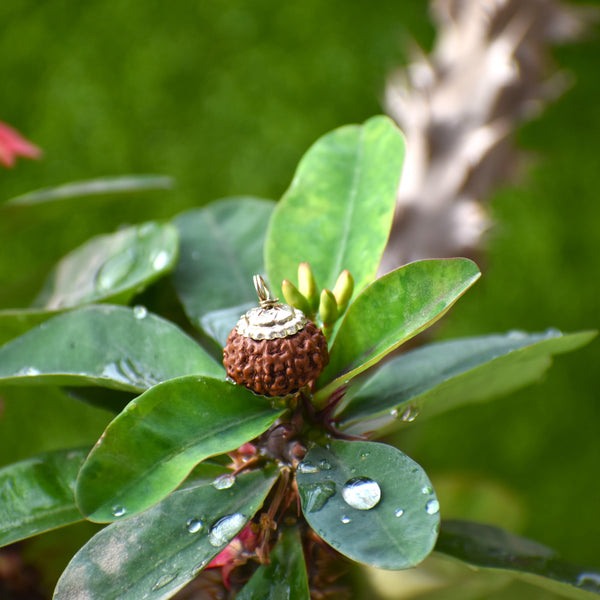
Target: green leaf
{"x":110,"y":346}
{"x":156,"y":553}
{"x":389,"y":312}
{"x":221,"y":249}
{"x":285,"y":577}
{"x":491,"y":547}
{"x":338,"y":210}
{"x":36,"y":494}
{"x":114,"y":266}
{"x":442,"y":376}
{"x":94,"y":187}
{"x":401,"y":528}
{"x":16,"y":321}
{"x":150,"y":448}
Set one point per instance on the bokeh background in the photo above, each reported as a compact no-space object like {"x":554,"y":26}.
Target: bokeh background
{"x":225,"y":97}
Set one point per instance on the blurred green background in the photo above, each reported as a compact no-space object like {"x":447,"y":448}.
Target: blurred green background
{"x":225,"y":97}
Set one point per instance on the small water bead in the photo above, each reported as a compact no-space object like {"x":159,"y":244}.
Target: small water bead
{"x":399,"y":512}
{"x":345,"y":520}
{"x":432,"y":507}
{"x":140,"y":312}
{"x":118,"y":511}
{"x":588,"y":580}
{"x":307,"y":468}
{"x":29,"y":371}
{"x":394,"y":413}
{"x":164,"y":580}
{"x":426,"y":489}
{"x":324,"y":464}
{"x":361,"y":493}
{"x":224,"y":482}
{"x":194,"y":525}
{"x":225,"y":529}
{"x":160,"y":261}
{"x":364,"y":455}
{"x":115,"y":270}
{"x":410,"y":414}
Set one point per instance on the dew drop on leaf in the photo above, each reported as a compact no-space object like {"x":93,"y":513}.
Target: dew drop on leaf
{"x":345,"y":519}
{"x":160,"y":261}
{"x":118,"y":511}
{"x":115,"y":270}
{"x":394,"y":413}
{"x":224,"y":482}
{"x":317,"y":495}
{"x":164,"y":580}
{"x":140,"y":312}
{"x":361,"y":493}
{"x":399,"y":512}
{"x":325,"y":465}
{"x":426,"y":489}
{"x":225,"y":529}
{"x":307,"y":468}
{"x":410,"y":414}
{"x":432,"y":507}
{"x":194,"y":525}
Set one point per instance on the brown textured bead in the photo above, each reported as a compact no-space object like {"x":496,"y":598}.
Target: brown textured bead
{"x":276,"y":367}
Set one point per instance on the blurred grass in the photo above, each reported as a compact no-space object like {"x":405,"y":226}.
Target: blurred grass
{"x":225,"y":97}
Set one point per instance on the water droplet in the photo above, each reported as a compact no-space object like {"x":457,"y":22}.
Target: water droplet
{"x":115,"y":270}
{"x":399,"y":512}
{"x":426,"y":489}
{"x":160,"y":260}
{"x":585,"y":579}
{"x":29,"y":371}
{"x":324,"y":464}
{"x":317,"y":494}
{"x":410,"y":414}
{"x":432,"y":507}
{"x":224,"y":482}
{"x":552,"y":332}
{"x":118,"y":511}
{"x":140,"y":312}
{"x":194,"y":525}
{"x":361,"y":493}
{"x":200,"y":566}
{"x":306,"y":468}
{"x":345,"y":520}
{"x":225,"y":529}
{"x":364,"y":455}
{"x":164,"y":580}
{"x":394,"y":413}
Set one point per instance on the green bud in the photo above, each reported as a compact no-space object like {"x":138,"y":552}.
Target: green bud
{"x":344,"y":287}
{"x":328,"y":310}
{"x":293,"y":297}
{"x":308,"y":285}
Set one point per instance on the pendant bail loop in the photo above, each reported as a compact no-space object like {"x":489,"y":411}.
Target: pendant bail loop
{"x":262,"y":291}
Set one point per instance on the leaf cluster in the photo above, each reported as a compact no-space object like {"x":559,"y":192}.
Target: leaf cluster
{"x":194,"y":472}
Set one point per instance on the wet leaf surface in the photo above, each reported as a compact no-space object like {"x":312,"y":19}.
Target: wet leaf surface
{"x":375,"y":504}
{"x":157,"y":552}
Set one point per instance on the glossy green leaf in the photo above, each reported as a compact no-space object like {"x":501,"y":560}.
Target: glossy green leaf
{"x":491,"y":547}
{"x":94,"y":187}
{"x":442,"y":376}
{"x":150,"y":448}
{"x":285,"y":577}
{"x":37,"y":495}
{"x":114,"y":266}
{"x":156,"y":553}
{"x":221,"y":250}
{"x":400,"y":529}
{"x":338,"y":210}
{"x":110,"y":346}
{"x":390,"y":311}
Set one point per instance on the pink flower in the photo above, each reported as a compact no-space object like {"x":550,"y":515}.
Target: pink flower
{"x":235,"y":554}
{"x":13,"y":144}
